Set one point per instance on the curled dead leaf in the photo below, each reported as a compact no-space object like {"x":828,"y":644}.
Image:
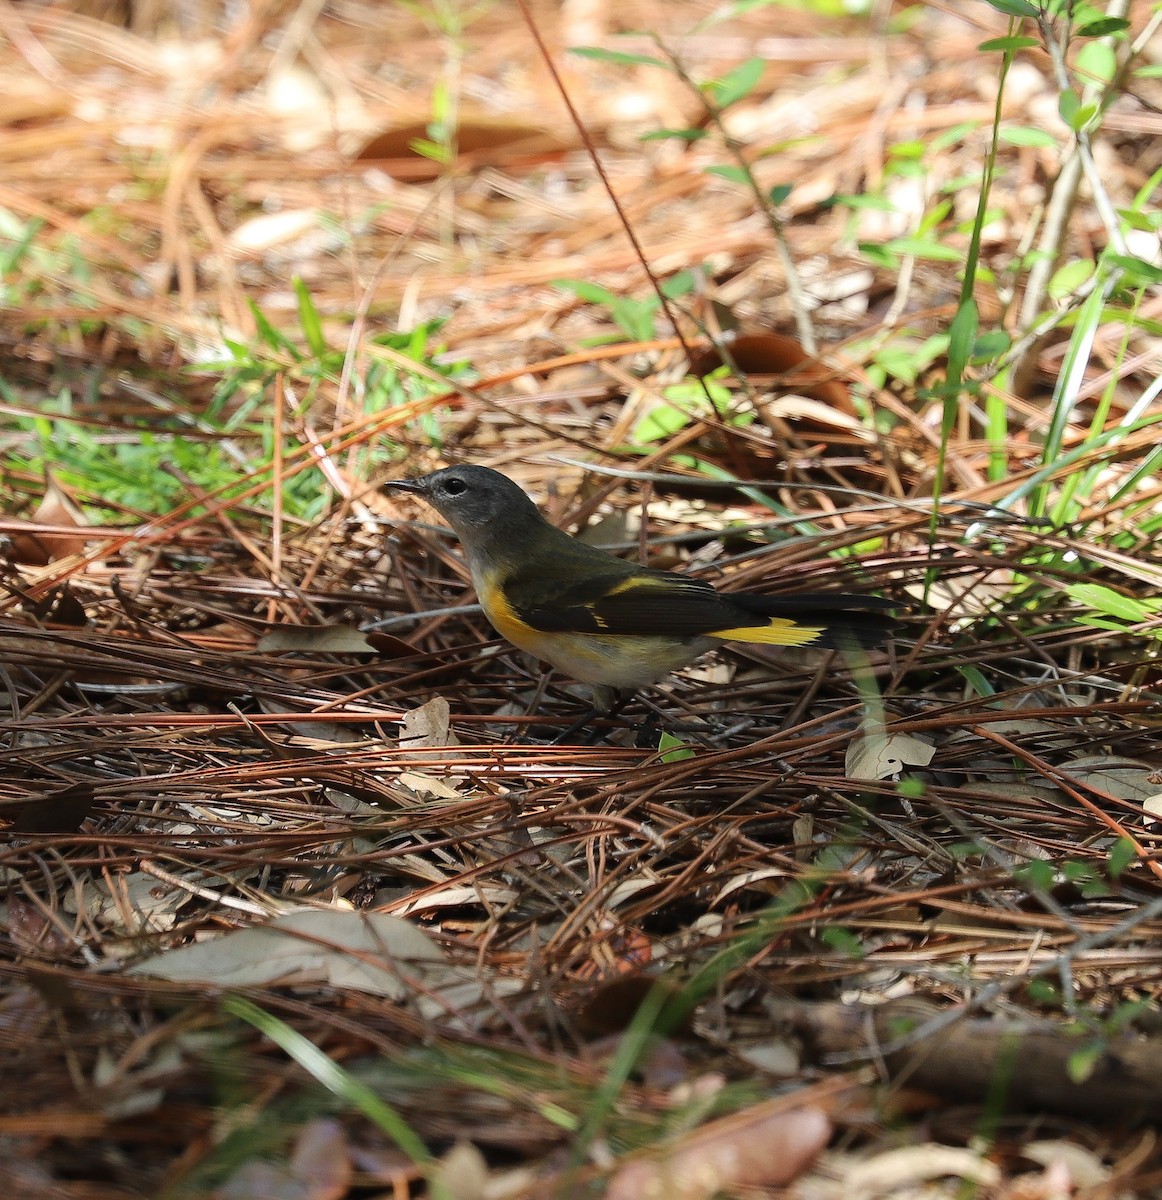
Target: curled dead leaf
{"x":875,"y":754}
{"x":480,"y":142}
{"x":46,"y":538}
{"x":769,"y":1150}
{"x":898,"y":1171}
{"x":428,"y":727}
{"x":777,"y":354}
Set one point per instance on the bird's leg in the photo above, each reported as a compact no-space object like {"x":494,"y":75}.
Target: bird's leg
{"x":646,"y":737}
{"x":607,"y":702}
{"x":658,"y":719}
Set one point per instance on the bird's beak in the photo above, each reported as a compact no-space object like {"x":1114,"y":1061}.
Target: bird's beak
{"x":403,"y":485}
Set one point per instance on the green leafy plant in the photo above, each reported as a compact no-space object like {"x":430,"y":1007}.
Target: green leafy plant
{"x":343,"y":1084}
{"x":449,"y":20}
{"x":311,"y":362}
{"x":672,"y":749}
{"x":718,"y":94}
{"x":150,"y":466}
{"x":1116,"y":611}
{"x":636,"y":318}
{"x":684,"y":403}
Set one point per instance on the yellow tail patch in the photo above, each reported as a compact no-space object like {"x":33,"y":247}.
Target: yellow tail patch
{"x":779,"y":631}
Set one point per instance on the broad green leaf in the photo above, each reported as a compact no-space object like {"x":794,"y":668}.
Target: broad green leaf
{"x":658,"y":424}
{"x":680,"y":284}
{"x":977,"y":680}
{"x":635,"y":317}
{"x":1067,"y":105}
{"x":1069,"y":277}
{"x":1097,"y":60}
{"x":672,"y":749}
{"x":1025,"y":135}
{"x":1114,"y":604}
{"x":738,"y":83}
{"x":871,"y":201}
{"x":1138,"y":269}
{"x":843,"y":940}
{"x":1043,"y":992}
{"x":618,"y":57}
{"x":990,"y":345}
{"x":1037,"y":874}
{"x":1010,"y":45}
{"x":591,"y":293}
{"x":309,"y":321}
{"x":1106,"y":27}
{"x":952,"y":136}
{"x":922,"y":248}
{"x":1015,"y":8}
{"x":1081,"y":1064}
{"x":1150,"y":222}
{"x":437,"y":152}
{"x":911,"y":788}
{"x":1122,"y":853}
{"x":1082,"y":117}
{"x":881,"y":256}
{"x":733,"y":174}
{"x":962,"y":331}
{"x":682,"y":135}
{"x":915,"y":149}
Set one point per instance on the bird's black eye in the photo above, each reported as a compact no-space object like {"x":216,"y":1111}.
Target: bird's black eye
{"x":454,"y":486}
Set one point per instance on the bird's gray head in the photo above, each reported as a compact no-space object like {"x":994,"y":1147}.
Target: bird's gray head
{"x":475,"y":501}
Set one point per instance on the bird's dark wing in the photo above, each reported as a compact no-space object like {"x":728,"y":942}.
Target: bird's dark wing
{"x":664,"y":603}
{"x":619,"y":603}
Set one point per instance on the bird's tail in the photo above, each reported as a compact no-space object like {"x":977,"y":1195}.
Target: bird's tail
{"x":838,"y":620}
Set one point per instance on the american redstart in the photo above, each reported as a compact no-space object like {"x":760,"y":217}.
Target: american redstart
{"x":606,"y":621}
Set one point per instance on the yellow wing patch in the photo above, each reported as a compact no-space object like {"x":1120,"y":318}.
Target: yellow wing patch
{"x":665,"y":584}
{"x":631,"y":582}
{"x":778,"y":631}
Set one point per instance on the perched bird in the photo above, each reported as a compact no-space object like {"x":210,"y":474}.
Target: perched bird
{"x":608,"y":622}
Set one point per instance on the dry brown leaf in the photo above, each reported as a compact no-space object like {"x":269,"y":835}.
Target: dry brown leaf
{"x":428,"y":727}
{"x":427,"y":787}
{"x":1125,"y":778}
{"x":37,"y":548}
{"x":341,"y":949}
{"x":480,"y":142}
{"x":463,"y":1173}
{"x":31,"y":930}
{"x":876,"y":755}
{"x":891,"y":1173}
{"x":612,"y":1007}
{"x":782,"y":355}
{"x":133,"y":904}
{"x":321,"y":1158}
{"x":312,"y":946}
{"x":319,"y":1169}
{"x":1085,"y":1168}
{"x":458,"y":896}
{"x":769,"y":1151}
{"x":315,"y":639}
{"x":62,"y":811}
{"x":747,"y":880}
{"x":774,"y":1056}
